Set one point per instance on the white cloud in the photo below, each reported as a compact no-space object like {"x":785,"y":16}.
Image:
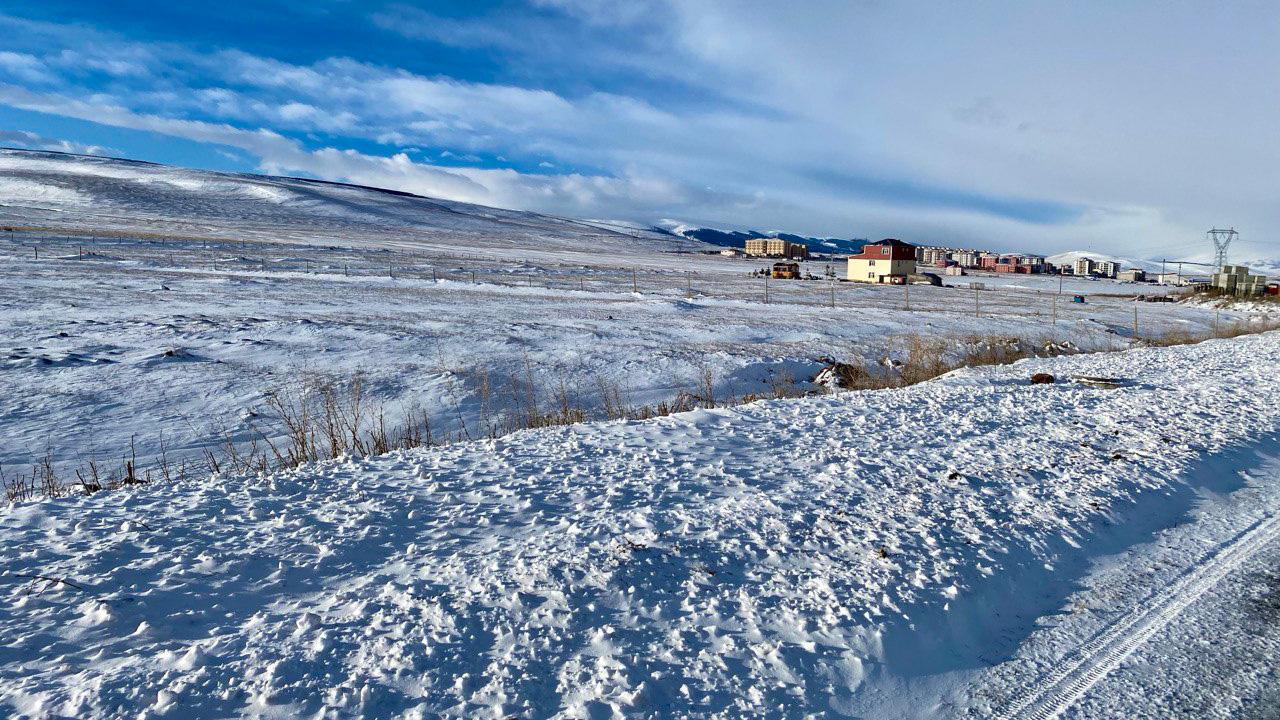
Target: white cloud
{"x":974,"y":124}
{"x":27,"y":140}
{"x":606,"y":12}
{"x":567,"y":194}
{"x":22,"y":66}
{"x":469,"y":33}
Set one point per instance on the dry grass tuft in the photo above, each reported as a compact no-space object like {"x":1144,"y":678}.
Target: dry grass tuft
{"x":322,"y":418}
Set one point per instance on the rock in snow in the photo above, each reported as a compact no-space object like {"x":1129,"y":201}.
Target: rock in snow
{"x":715,"y":563}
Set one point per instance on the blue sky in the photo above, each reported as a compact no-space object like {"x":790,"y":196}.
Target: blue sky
{"x":1010,"y":125}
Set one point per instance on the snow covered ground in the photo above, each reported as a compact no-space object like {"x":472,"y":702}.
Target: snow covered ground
{"x":782,"y":558}
{"x":174,"y":344}
{"x":871,"y":553}
{"x":82,"y":193}
{"x":154,"y":308}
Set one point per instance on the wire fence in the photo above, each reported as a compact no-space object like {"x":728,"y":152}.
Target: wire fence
{"x":737,"y":280}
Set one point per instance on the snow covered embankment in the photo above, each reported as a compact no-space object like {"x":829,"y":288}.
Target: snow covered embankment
{"x":722,"y":562}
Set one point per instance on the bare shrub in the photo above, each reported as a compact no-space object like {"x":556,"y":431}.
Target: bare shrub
{"x":612,"y":399}
{"x":925,"y":358}
{"x":318,"y":417}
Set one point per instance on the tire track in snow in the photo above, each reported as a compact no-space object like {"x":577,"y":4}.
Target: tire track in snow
{"x":1053,"y":694}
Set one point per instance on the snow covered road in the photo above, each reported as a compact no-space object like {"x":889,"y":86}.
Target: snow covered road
{"x":1093,"y":661}
{"x":769,"y":560}
{"x":1185,"y":625}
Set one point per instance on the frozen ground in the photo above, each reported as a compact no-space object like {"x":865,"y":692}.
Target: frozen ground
{"x":777,"y":559}
{"x":159,"y":306}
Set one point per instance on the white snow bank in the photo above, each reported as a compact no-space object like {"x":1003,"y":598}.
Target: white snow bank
{"x":717,"y":563}
{"x":20,"y":192}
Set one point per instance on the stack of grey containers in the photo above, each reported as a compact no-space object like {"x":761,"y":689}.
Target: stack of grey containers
{"x":1237,"y":280}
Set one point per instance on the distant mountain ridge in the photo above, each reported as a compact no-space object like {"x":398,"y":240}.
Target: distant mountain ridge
{"x":739,"y":238}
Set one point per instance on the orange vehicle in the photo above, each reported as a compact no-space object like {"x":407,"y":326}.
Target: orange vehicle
{"x":786,"y":271}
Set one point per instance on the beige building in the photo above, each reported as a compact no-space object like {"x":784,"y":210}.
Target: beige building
{"x":888,"y":261}
{"x":775,"y":247}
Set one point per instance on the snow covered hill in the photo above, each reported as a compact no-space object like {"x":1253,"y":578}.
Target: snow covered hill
{"x":1200,"y":264}
{"x":1125,"y":263}
{"x":762,"y":561}
{"x":87,"y":193}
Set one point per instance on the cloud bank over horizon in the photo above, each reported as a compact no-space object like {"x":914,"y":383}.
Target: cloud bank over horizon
{"x":1128,"y":130}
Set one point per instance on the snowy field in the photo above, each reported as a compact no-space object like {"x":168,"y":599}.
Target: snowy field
{"x":912,"y":552}
{"x":784,"y":558}
{"x":176,"y":344}
{"x":156,"y":308}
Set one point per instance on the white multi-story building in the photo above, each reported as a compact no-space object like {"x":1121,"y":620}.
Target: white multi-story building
{"x":1107,"y":268}
{"x":935,"y":256}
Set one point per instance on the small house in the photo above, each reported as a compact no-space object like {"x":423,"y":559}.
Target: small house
{"x":887,"y":261}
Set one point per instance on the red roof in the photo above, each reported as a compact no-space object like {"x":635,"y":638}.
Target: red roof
{"x":888,"y":249}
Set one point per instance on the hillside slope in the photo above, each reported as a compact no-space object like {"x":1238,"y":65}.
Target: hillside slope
{"x":1065,"y":258}
{"x":86,"y":193}
{"x":730,"y":563}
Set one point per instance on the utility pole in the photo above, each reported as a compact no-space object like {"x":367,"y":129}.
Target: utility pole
{"x":833,"y":291}
{"x":1055,"y":303}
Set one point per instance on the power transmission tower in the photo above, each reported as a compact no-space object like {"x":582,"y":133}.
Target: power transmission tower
{"x":1221,"y":241}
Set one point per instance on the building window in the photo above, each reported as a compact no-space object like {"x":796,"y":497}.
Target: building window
{"x":871,"y":262}
{"x":871,"y":276}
